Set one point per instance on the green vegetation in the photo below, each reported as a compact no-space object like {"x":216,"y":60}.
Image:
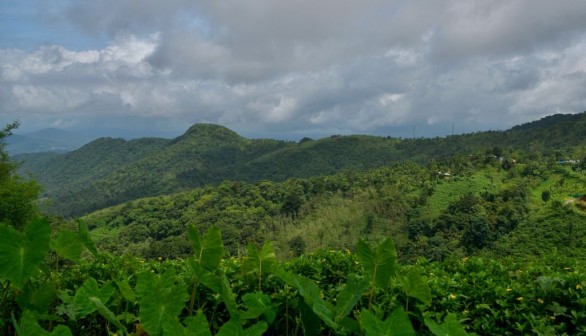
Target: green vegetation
{"x":111,"y":171}
{"x":17,"y":196}
{"x":214,"y":234}
{"x":330,"y":292}
{"x":480,"y":208}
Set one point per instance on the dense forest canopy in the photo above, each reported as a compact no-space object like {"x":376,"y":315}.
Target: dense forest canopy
{"x":111,"y":171}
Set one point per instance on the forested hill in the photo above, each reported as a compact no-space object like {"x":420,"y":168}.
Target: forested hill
{"x":110,"y":171}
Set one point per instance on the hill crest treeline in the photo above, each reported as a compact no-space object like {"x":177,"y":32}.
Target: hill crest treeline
{"x":110,"y":171}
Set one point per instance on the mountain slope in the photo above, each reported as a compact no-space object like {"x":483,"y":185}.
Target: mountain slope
{"x":109,"y":171}
{"x":482,"y":207}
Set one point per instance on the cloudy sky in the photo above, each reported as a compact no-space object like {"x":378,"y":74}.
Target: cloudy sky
{"x":287,"y":69}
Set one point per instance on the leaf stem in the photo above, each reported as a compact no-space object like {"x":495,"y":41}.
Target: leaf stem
{"x":372,"y":286}
{"x":192,"y":299}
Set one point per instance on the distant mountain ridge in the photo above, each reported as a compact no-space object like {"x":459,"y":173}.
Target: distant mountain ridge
{"x":46,"y":140}
{"x":110,"y":171}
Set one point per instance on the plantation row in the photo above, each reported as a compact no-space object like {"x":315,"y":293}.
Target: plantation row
{"x":61,"y":285}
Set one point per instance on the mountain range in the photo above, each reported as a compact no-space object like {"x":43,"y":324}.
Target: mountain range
{"x":109,"y":171}
{"x":46,"y":140}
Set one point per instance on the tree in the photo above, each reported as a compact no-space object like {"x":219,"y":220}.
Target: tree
{"x":17,"y":196}
{"x":545,"y":195}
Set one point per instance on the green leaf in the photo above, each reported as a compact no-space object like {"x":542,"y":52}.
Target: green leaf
{"x":198,"y":325}
{"x":61,"y":330}
{"x":86,"y":239}
{"x":310,"y":321}
{"x":228,"y":296}
{"x":258,"y":304}
{"x":396,"y":324}
{"x":349,"y":296}
{"x":231,"y":328}
{"x":371,"y":324}
{"x":38,"y":299}
{"x":209,"y":250}
{"x":29,"y":326}
{"x":262,"y":261}
{"x":86,"y":294}
{"x":68,"y":245}
{"x":257,"y":329}
{"x":379,"y":264}
{"x":205,"y":277}
{"x":172,"y":327}
{"x":234,"y":328}
{"x":450,"y":327}
{"x":21,"y":253}
{"x":159,"y":299}
{"x":399,"y":323}
{"x":414,"y":286}
{"x":312,"y":296}
{"x":126,"y":291}
{"x":107,"y":313}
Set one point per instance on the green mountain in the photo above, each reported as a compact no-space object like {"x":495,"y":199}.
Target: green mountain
{"x":110,"y":171}
{"x":531,"y":207}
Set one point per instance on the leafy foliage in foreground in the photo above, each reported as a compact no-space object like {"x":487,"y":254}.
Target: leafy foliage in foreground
{"x":330,"y":292}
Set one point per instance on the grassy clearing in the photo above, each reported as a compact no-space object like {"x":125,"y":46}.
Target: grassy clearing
{"x":451,"y":189}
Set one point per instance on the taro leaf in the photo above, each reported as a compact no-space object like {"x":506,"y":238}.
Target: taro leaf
{"x":228,"y":296}
{"x":61,"y":330}
{"x":350,"y":326}
{"x":310,"y":321}
{"x":126,"y":291}
{"x":38,"y":299}
{"x":450,"y":327}
{"x":68,"y":245}
{"x":312,"y":296}
{"x":231,"y":328}
{"x":234,"y":328}
{"x":86,"y":239}
{"x":21,"y":253}
{"x":89,"y":298}
{"x":173,"y":327}
{"x":86,"y":296}
{"x":396,"y":324}
{"x":414,"y":286}
{"x":262,"y":261}
{"x":349,"y":296}
{"x":205,"y":277}
{"x":209,"y":249}
{"x":257,"y":329}
{"x":198,"y":325}
{"x":107,"y":313}
{"x":379,"y":264}
{"x":399,"y":322}
{"x":159,"y":299}
{"x":258,"y":304}
{"x":29,"y":326}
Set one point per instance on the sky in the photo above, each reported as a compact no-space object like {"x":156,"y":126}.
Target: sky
{"x":288,"y":69}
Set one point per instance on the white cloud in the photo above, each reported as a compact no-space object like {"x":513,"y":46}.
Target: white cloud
{"x":290,"y":66}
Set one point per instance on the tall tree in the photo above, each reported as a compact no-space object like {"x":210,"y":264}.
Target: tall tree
{"x":17,"y":196}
